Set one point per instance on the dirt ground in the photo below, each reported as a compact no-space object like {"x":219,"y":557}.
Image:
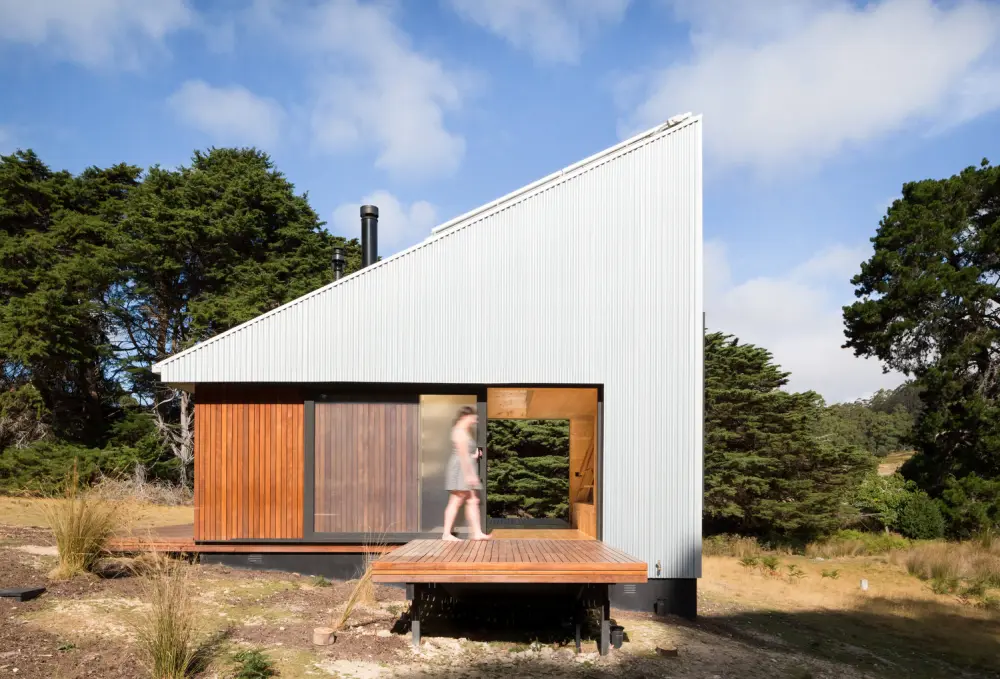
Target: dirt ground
{"x":751,"y":626}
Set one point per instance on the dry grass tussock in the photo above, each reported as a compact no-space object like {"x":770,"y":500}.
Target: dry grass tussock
{"x":168,"y":632}
{"x":976,"y":562}
{"x":137,"y":488}
{"x":364,"y":589}
{"x":732,"y":545}
{"x":82,"y":523}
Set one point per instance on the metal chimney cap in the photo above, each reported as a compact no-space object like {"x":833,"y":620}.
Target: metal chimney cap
{"x":369,"y":211}
{"x":338,"y":255}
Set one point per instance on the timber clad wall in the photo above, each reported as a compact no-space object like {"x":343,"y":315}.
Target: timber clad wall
{"x":367,"y":467}
{"x":248,"y":463}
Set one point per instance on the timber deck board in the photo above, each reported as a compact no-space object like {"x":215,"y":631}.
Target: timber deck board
{"x":511,"y":560}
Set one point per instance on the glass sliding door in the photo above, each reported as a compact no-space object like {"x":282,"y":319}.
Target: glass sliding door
{"x":437,"y":415}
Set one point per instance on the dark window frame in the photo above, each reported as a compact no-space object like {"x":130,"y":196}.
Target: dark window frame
{"x":372,"y":394}
{"x":346,"y":392}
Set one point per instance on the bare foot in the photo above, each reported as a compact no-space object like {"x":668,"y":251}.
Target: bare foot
{"x":482,"y":536}
{"x":450,"y":538}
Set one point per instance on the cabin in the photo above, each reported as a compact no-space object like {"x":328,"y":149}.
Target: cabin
{"x":322,"y":427}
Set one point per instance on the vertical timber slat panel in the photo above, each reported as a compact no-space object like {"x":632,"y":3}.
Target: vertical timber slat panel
{"x":227,"y":447}
{"x":199,"y":474}
{"x":248,"y":464}
{"x":367,"y":452}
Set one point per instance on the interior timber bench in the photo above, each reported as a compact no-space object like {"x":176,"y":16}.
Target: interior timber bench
{"x":584,"y":568}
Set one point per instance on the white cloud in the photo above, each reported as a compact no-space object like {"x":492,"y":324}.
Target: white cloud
{"x":372,"y":87}
{"x":94,"y":32}
{"x":551,"y":30}
{"x":797,"y":316}
{"x":399,"y":226}
{"x":229,"y":115}
{"x":800,"y":81}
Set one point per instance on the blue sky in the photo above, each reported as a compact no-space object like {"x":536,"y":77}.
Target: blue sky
{"x":815,"y":113}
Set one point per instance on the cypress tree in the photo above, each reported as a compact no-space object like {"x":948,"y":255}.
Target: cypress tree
{"x":528,"y":469}
{"x":768,"y":469}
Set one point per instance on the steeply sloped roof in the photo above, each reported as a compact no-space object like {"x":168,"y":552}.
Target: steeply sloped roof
{"x":202,"y":361}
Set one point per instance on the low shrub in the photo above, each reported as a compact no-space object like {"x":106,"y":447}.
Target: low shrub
{"x":989,"y":602}
{"x":82,"y":524}
{"x":253,"y":664}
{"x":769,"y":565}
{"x":41,"y":467}
{"x":795,"y":573}
{"x":879,"y":499}
{"x":856,"y":543}
{"x":920,"y":518}
{"x":833,"y":573}
{"x":944,"y":585}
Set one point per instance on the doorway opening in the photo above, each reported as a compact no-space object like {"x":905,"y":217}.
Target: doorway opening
{"x":528,"y":473}
{"x":577,"y":406}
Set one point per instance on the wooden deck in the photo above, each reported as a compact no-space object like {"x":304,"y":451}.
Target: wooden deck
{"x":518,"y":560}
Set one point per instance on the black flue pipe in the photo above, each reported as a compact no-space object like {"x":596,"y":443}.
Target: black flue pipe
{"x":369,"y":235}
{"x":339,"y":263}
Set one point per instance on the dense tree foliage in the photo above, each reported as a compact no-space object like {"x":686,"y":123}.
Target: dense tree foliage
{"x":57,"y":256}
{"x":859,"y":424}
{"x":768,"y":468}
{"x":528,"y":469}
{"x":929,"y":306}
{"x":106,"y":272}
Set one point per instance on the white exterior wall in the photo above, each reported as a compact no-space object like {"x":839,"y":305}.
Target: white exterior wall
{"x":592,"y":277}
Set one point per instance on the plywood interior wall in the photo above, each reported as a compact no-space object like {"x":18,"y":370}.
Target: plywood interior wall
{"x":248,"y":463}
{"x":579,"y":406}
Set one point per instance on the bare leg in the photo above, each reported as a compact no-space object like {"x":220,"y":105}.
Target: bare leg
{"x":472,"y":517}
{"x":451,"y":513}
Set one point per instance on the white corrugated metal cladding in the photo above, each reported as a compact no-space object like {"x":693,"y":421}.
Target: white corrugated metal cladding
{"x":590,"y":276}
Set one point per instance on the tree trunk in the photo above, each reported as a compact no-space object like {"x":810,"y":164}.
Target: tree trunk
{"x":186,"y":437}
{"x":180,"y":436}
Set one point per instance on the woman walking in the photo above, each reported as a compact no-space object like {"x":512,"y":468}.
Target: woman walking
{"x":462,"y":481}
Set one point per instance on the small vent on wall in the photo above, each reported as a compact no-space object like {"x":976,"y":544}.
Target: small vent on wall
{"x":630,"y":589}
{"x":257,"y":559}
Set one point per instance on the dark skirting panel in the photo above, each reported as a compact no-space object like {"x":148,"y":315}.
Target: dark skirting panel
{"x":663,"y":596}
